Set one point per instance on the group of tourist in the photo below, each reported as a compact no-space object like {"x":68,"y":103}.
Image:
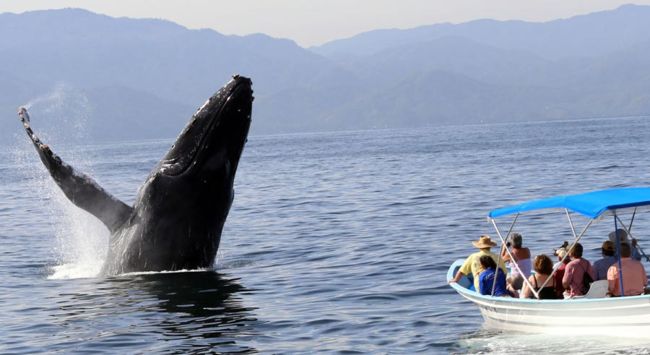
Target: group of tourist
{"x":573,"y":273}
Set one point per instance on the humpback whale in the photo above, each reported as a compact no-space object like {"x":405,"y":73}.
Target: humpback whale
{"x":179,"y":212}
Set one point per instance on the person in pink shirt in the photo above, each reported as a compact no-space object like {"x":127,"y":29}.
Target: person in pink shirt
{"x":573,"y":280}
{"x":634,"y":276}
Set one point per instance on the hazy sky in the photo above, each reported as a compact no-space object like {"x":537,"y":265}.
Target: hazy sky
{"x":311,"y":22}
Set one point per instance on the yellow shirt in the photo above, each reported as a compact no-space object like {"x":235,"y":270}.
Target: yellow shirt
{"x":472,"y":265}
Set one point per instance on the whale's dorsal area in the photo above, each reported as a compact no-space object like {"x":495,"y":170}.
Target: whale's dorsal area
{"x":177,"y":218}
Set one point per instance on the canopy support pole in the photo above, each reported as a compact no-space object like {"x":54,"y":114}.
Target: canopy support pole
{"x":496,"y":272}
{"x":575,"y":241}
{"x":618,"y":247}
{"x":625,"y":228}
{"x":514,"y":264}
{"x":629,"y":233}
{"x":573,"y":229}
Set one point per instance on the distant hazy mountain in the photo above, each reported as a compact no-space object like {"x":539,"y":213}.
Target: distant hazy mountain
{"x":134,"y":71}
{"x":593,"y":34}
{"x":115,"y":78}
{"x":593,"y":65}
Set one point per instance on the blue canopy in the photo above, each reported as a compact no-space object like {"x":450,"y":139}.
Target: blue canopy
{"x":591,"y":204}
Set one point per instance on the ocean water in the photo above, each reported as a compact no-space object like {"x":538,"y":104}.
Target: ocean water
{"x":336,"y":242}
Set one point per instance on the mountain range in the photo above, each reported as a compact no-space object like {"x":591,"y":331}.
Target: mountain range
{"x":127,"y":79}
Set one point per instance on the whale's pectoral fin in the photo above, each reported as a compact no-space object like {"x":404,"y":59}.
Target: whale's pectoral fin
{"x":82,"y":190}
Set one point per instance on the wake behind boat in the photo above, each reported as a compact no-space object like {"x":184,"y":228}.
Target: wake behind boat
{"x":591,"y":314}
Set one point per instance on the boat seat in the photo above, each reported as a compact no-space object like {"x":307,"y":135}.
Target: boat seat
{"x":598,"y":289}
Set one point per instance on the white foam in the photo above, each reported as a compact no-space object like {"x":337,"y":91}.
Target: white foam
{"x":165,"y":272}
{"x":82,"y":240}
{"x":520,"y":343}
{"x":76,"y":270}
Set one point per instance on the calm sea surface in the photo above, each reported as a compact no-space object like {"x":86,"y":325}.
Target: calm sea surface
{"x":336,"y":242}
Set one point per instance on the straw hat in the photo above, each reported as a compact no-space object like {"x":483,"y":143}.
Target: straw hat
{"x":484,"y":242}
{"x":621,"y":233}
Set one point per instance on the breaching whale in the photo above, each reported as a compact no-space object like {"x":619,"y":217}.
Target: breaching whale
{"x":179,"y":212}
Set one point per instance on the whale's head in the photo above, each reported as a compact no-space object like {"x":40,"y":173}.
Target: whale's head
{"x":188,"y":195}
{"x":214,"y":138}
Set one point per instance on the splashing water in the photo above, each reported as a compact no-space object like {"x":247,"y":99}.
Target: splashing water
{"x":66,"y":106}
{"x":81,"y":240}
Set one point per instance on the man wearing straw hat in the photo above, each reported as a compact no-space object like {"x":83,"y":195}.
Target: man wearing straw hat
{"x":636,"y":255}
{"x":472,"y":265}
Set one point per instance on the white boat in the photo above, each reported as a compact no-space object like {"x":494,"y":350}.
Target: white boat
{"x":594,"y":314}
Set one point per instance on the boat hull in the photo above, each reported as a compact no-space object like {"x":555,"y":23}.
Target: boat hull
{"x":611,"y":316}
